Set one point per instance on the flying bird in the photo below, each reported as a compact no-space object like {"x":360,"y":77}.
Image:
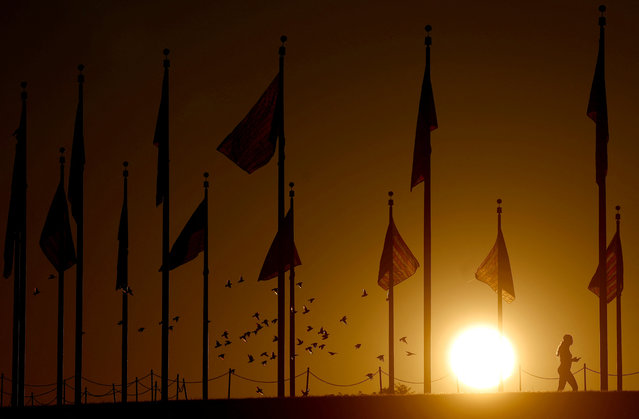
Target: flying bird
{"x":241,"y":279}
{"x":274,"y":290}
{"x":258,"y":327}
{"x":264,"y":354}
{"x":51,"y":276}
{"x":358,"y":345}
{"x":120,"y":322}
{"x":251,"y":359}
{"x":264,"y":363}
{"x":343,"y":319}
{"x":314,"y":344}
{"x":305,"y":310}
{"x":127,"y":290}
{"x":310,"y":300}
{"x":273,"y":356}
{"x":141,"y":329}
{"x":274,"y":338}
{"x":293,"y":310}
{"x":225,"y":335}
{"x":299,"y":341}
{"x":309,"y":328}
{"x":380,"y":357}
{"x":259,"y":391}
{"x":265,"y":322}
{"x":364,"y":293}
{"x":332,"y":353}
{"x":257,"y":316}
{"x":274,"y":321}
{"x":227,"y":343}
{"x":176,"y":319}
{"x":221,"y":356}
{"x":305,"y":393}
{"x":403,"y":339}
{"x":228,"y":284}
{"x":299,"y":285}
{"x":309,"y":349}
{"x":243,"y":337}
{"x":36,"y":291}
{"x":370,"y":375}
{"x":408,"y":353}
{"x":217,"y":344}
{"x":322,"y":346}
{"x":171,"y":327}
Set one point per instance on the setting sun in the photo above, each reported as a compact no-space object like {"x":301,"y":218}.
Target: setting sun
{"x":479,"y":356}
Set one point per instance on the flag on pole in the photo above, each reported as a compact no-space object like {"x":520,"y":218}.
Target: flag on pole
{"x":190,"y":242}
{"x":426,"y":122}
{"x":278,"y":254}
{"x":252,"y":143}
{"x":161,"y":139}
{"x":122,"y":278}
{"x":76,"y":169}
{"x":614,"y":271}
{"x":598,"y":112}
{"x":56,"y":240}
{"x":396,"y":254}
{"x":16,"y":200}
{"x":495,"y":269}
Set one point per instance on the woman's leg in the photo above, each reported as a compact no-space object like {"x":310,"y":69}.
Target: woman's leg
{"x":571,"y":380}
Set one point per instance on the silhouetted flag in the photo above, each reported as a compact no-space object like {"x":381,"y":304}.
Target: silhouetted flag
{"x":396,"y":254}
{"x":76,"y":170}
{"x":56,"y":240}
{"x":252,"y":143}
{"x":598,"y":112}
{"x":190,"y":242}
{"x":16,"y":201}
{"x":122,"y":279}
{"x":279,"y":253}
{"x":614,"y":270}
{"x":496,"y":267}
{"x":426,"y":122}
{"x":161,"y":140}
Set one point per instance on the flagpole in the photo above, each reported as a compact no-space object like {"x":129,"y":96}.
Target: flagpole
{"x":601,"y":182}
{"x":427,"y":241}
{"x":125,"y":299}
{"x":500,"y":319}
{"x":391,"y":308}
{"x":60,"y":355}
{"x":291,"y":277}
{"x":281,"y":279}
{"x":205,"y":294}
{"x":619,"y":359}
{"x":165,"y":258}
{"x":79,"y":217}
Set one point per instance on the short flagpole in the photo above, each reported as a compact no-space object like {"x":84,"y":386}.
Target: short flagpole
{"x":59,"y":367}
{"x":619,"y":362}
{"x":291,"y":277}
{"x":500,"y":320}
{"x":125,"y":300}
{"x":281,"y":279}
{"x":205,"y":294}
{"x":391,"y":320}
{"x":427,"y":242}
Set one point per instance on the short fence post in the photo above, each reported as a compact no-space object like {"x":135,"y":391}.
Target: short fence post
{"x":1,"y":389}
{"x":86,"y":392}
{"x":520,"y":378}
{"x":585,"y":388}
{"x":152,"y":395}
{"x":136,"y":389}
{"x":308,"y":372}
{"x":379,"y":371}
{"x":186,"y":396}
{"x":32,"y":401}
{"x":155,"y":392}
{"x":228,"y":396}
{"x":113,"y":388}
{"x":177,"y":387}
{"x":64,"y":391}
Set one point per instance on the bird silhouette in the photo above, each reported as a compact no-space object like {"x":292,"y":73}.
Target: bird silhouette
{"x":264,"y":354}
{"x":36,"y":291}
{"x":257,"y":316}
{"x":217,"y":344}
{"x":264,"y":363}
{"x":259,"y":391}
{"x":370,"y":375}
{"x":314,"y":344}
{"x":141,"y":329}
{"x":305,"y":310}
{"x":127,"y":290}
{"x":251,"y":359}
{"x":225,"y":335}
{"x":309,"y":328}
{"x":244,"y":336}
{"x":176,"y":319}
{"x":325,"y":336}
{"x":358,"y":345}
{"x":274,"y":290}
{"x":227,"y":343}
{"x":299,"y":341}
{"x":221,"y":356}
{"x":332,"y":353}
{"x":408,"y":353}
{"x":265,"y":322}
{"x":321,"y":330}
{"x":309,"y":349}
{"x":310,"y":300}
{"x":364,"y":293}
{"x":171,"y":327}
{"x":51,"y":276}
{"x":403,"y":339}
{"x":299,"y":285}
{"x":305,"y":393}
{"x":273,"y":356}
{"x":274,"y":338}
{"x":120,"y":322}
{"x":241,"y":279}
{"x":322,"y":346}
{"x":228,"y":284}
{"x":380,"y":357}
{"x":274,"y":321}
{"x":293,"y":310}
{"x":343,"y":319}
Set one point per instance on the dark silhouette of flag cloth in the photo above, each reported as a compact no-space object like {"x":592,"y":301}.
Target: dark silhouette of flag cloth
{"x":598,"y":112}
{"x":252,"y":143}
{"x":614,"y":271}
{"x":190,"y":242}
{"x":496,"y":269}
{"x":281,"y":253}
{"x":56,"y":240}
{"x":397,"y":255}
{"x":122,"y":278}
{"x":426,"y":122}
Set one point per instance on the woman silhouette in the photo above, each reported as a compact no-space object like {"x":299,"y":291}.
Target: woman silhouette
{"x":565,"y":362}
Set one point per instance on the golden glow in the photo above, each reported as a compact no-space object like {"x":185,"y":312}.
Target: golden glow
{"x":479,"y":356}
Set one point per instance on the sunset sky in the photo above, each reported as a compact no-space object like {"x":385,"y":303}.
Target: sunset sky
{"x":511,"y":82}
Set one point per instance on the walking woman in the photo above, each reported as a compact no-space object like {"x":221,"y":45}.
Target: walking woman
{"x":565,"y":363}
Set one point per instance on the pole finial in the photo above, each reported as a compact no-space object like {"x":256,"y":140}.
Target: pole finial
{"x":428,"y":40}
{"x":61,"y":149}
{"x":125,"y":172}
{"x":617,"y":215}
{"x":23,"y":94}
{"x":23,"y":84}
{"x":390,"y":198}
{"x":602,"y":18}
{"x":291,"y":193}
{"x":499,"y":206}
{"x":80,"y":76}
{"x":283,"y":38}
{"x":206,"y":180}
{"x":167,"y":62}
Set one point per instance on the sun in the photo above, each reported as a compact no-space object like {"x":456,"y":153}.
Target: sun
{"x":479,"y":357}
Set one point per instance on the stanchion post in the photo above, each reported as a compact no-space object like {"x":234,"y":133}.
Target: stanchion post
{"x":64,"y":391}
{"x":308,"y":372}
{"x":152,"y":395}
{"x":113,"y":389}
{"x":186,"y":396}
{"x":155,"y":392}
{"x":585,"y":388}
{"x":520,"y":378}
{"x":136,"y":389}
{"x":379,"y":371}
{"x":86,"y":393}
{"x":228,"y":396}
{"x":32,"y":400}
{"x":177,"y":387}
{"x":1,"y":389}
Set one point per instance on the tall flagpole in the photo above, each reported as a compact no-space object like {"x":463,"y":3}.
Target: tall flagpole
{"x":619,"y":363}
{"x":78,"y":214}
{"x":291,"y":277}
{"x":165,"y":256}
{"x":125,"y":296}
{"x":205,"y":296}
{"x":601,"y":182}
{"x":281,"y":279}
{"x":500,"y":318}
{"x":391,"y":308}
{"x":427,"y":241}
{"x":60,"y":354}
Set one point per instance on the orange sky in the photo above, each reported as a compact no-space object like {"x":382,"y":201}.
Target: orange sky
{"x":511,"y":84}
